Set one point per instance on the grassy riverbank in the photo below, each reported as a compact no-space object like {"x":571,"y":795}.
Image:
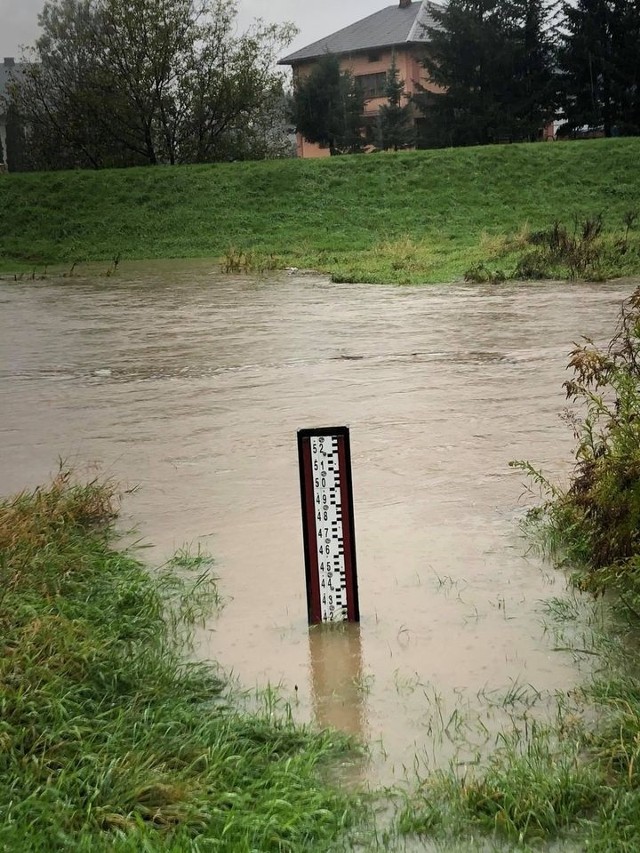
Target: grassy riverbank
{"x":109,"y":741}
{"x":575,"y":782}
{"x":405,"y":217}
{"x":570,"y":785}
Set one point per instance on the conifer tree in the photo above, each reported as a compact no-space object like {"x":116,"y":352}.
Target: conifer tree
{"x":600,"y":60}
{"x":395,"y":121}
{"x":492,"y":63}
{"x":327,"y":107}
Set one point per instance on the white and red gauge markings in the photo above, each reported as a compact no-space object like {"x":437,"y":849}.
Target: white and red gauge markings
{"x":328,"y":524}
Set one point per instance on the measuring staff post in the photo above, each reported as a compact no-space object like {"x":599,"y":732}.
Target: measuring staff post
{"x":326,"y":491}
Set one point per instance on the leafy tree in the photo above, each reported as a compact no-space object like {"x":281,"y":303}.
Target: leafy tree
{"x":143,"y":47}
{"x":230,"y":90}
{"x":395,"y":128}
{"x":122,"y":82}
{"x":600,"y":61}
{"x":491,"y":62}
{"x":55,"y":91}
{"x":266,"y":135}
{"x":328,"y":105}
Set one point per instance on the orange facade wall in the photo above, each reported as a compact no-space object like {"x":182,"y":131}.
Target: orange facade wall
{"x":374,"y":62}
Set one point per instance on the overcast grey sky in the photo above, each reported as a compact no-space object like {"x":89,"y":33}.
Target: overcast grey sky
{"x":19,"y":18}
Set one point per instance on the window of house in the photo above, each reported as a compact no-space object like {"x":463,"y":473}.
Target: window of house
{"x":373,"y":57}
{"x":372,"y":84}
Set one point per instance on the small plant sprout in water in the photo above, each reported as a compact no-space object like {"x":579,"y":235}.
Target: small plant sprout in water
{"x":407,"y":683}
{"x":115,"y":263}
{"x":448,"y":585}
{"x":501,"y":605}
{"x":473,"y":615}
{"x":273,"y":704}
{"x":190,"y":590}
{"x":364,"y":683}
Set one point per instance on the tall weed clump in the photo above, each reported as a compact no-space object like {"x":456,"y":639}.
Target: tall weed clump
{"x":585,"y":251}
{"x":109,"y":739}
{"x":594,"y":523}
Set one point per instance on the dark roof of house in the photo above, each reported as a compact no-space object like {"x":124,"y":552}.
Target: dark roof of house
{"x":390,"y":27}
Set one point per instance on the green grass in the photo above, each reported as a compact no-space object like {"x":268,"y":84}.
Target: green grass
{"x":419,"y":216}
{"x":572,"y":783}
{"x":109,"y":739}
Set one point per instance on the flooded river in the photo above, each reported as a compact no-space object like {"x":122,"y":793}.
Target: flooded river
{"x":192,"y":386}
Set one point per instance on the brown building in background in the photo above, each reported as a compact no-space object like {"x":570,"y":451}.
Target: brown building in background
{"x":367,"y":49}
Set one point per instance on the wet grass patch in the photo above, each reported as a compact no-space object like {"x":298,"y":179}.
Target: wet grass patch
{"x":236,"y":260}
{"x":110,"y":740}
{"x":530,"y":791}
{"x":569,"y":782}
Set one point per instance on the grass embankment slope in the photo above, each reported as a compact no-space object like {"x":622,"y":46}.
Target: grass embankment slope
{"x":109,"y":740}
{"x":404,"y":217}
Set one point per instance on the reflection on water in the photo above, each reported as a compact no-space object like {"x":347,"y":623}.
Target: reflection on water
{"x":338,"y":691}
{"x":193,"y":386}
{"x":339,"y":688}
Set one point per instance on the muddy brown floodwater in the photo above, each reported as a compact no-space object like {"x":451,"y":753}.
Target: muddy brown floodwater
{"x":192,"y":386}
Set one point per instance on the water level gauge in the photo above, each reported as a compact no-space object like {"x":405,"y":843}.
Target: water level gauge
{"x":328,"y":526}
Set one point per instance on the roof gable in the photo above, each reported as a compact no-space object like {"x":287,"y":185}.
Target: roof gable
{"x":390,"y":27}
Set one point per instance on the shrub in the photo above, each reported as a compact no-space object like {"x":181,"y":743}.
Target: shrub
{"x":583,"y":252}
{"x":594,"y":524}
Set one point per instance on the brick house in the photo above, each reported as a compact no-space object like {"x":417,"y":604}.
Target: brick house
{"x":366,"y":49}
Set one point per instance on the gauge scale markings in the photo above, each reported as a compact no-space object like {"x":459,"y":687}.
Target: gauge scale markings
{"x":329,"y":534}
{"x":327,"y":513}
